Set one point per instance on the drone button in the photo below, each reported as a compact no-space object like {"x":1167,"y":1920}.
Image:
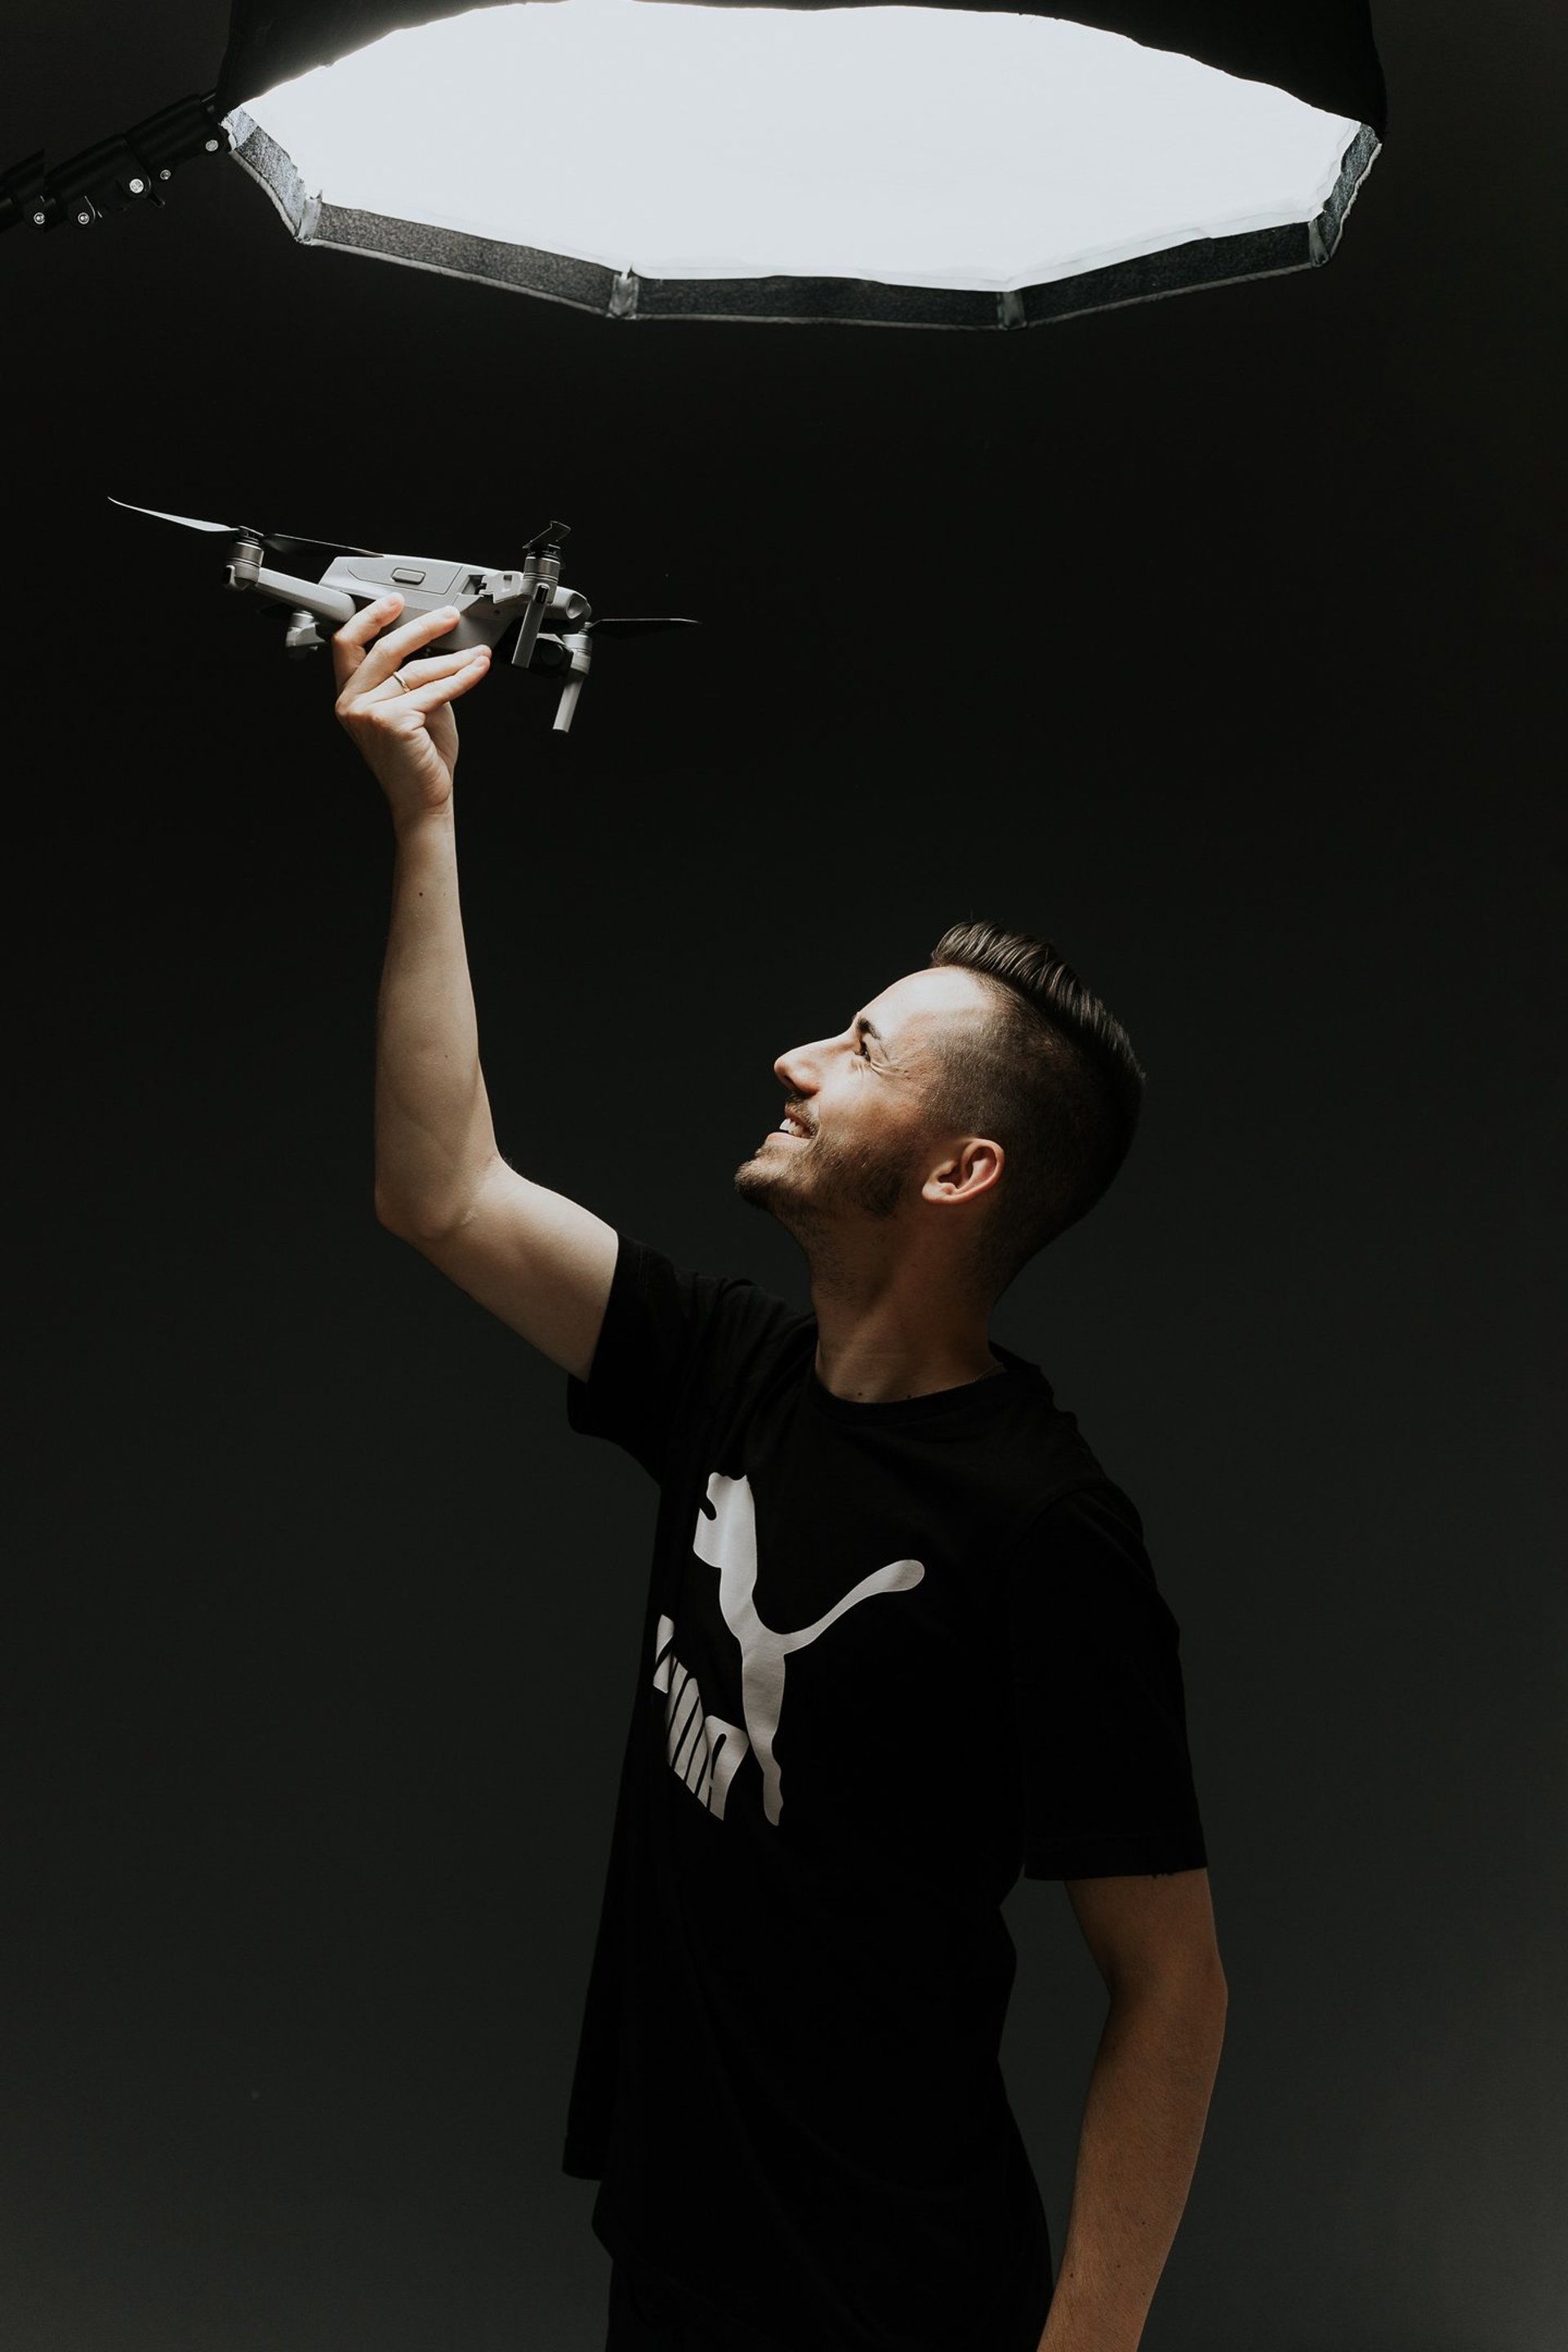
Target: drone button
{"x":406,"y":572}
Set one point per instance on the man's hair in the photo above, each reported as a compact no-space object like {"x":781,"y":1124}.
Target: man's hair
{"x":1051,"y":1077}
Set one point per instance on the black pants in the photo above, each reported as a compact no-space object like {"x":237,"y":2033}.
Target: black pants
{"x":644,"y":2317}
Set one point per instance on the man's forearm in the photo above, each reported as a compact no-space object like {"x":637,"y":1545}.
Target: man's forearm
{"x":434,"y":1134}
{"x":1143,"y":2126}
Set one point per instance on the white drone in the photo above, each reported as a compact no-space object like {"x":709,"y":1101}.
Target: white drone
{"x":487,"y":600}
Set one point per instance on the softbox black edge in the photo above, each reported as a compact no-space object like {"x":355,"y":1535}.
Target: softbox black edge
{"x":1319,"y":50}
{"x":802,"y":301}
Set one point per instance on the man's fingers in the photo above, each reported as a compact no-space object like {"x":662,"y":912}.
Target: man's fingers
{"x":419,"y":673}
{"x":373,"y":668}
{"x":430,"y":683}
{"x":349,"y":642}
{"x":436,"y":690}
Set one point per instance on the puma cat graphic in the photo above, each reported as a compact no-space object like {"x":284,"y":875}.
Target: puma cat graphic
{"x":704,"y":1749}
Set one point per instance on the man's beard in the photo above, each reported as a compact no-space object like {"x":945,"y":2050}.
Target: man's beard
{"x":868,"y":1179}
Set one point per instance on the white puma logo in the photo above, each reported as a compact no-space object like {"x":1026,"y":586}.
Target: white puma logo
{"x":728,"y":1542}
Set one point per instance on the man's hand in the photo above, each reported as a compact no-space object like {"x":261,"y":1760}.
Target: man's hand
{"x":407,"y":732}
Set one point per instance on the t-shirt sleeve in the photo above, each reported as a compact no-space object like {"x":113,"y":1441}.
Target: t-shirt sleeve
{"x":1097,"y":1696}
{"x":664,"y":1325}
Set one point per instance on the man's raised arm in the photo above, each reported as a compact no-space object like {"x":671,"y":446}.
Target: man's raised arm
{"x":534,"y":1258}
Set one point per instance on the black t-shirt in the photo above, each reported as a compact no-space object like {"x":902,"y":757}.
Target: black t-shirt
{"x":893,"y":1654}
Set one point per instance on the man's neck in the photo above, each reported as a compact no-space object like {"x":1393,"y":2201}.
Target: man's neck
{"x":875,"y":1351}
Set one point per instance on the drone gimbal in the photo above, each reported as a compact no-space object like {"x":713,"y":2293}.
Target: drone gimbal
{"x":487,"y":600}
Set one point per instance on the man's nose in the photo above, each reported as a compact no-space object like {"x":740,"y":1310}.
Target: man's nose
{"x":797,"y":1069}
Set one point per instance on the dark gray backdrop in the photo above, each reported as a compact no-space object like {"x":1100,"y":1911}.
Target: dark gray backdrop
{"x":1216,"y":639}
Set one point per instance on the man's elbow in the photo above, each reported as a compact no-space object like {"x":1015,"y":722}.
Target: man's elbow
{"x":386,"y":1211}
{"x":1184,"y":1976}
{"x":399,"y":1219}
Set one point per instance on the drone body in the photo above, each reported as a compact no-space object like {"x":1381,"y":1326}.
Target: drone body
{"x":488,"y":600}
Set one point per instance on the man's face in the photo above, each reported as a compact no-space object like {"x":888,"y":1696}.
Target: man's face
{"x":862,"y":1097}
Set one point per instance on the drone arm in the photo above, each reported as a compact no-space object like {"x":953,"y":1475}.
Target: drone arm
{"x":327,"y":603}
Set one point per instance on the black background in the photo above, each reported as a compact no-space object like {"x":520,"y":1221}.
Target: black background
{"x":1216,"y":639}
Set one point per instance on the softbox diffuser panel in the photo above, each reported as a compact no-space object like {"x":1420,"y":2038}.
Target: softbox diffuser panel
{"x":920,"y":165}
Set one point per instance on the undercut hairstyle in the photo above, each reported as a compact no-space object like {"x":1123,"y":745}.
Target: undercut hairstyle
{"x":1051,"y":1077}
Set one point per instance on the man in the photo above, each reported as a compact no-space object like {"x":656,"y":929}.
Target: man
{"x":901,"y":1642}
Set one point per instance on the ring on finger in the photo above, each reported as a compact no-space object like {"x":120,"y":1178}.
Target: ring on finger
{"x":398,"y":679}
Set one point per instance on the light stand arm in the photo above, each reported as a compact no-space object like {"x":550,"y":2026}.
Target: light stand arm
{"x":128,"y":167}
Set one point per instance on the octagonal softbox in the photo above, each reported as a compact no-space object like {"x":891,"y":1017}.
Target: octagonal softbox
{"x":928,"y":166}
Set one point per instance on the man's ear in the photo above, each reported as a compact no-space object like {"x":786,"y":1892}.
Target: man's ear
{"x":978,"y":1168}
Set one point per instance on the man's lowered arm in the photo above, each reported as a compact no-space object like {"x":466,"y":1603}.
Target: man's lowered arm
{"x":1152,"y":1941}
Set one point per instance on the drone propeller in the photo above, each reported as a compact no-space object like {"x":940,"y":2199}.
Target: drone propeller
{"x":280,"y":540}
{"x":189,"y":521}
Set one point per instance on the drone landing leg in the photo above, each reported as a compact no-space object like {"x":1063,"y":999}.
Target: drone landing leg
{"x":533,"y":612}
{"x":567,"y":705}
